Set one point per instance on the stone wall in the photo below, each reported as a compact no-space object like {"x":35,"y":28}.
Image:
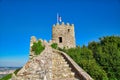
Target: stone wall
{"x":63,"y":35}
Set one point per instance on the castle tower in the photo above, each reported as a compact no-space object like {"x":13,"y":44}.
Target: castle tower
{"x":63,"y":35}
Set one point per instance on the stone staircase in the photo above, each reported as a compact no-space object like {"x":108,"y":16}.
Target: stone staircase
{"x":50,"y":65}
{"x":60,"y":68}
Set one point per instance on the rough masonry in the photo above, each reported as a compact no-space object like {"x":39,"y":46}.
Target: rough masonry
{"x":63,"y":35}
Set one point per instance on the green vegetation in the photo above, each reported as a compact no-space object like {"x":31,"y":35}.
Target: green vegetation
{"x":54,"y":45}
{"x":16,"y":71}
{"x":7,"y":77}
{"x":38,"y":47}
{"x":100,"y":59}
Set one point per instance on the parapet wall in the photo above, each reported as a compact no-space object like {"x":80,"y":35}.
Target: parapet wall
{"x":78,"y":70}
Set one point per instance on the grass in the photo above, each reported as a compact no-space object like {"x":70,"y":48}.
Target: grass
{"x":7,"y":77}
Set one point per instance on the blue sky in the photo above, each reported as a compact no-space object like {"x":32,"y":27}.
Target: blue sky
{"x":20,"y":19}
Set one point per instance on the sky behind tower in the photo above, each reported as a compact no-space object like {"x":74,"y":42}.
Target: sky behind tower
{"x":21,"y":19}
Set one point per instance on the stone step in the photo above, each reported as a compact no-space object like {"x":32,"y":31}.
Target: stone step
{"x":60,"y":63}
{"x":64,"y":79}
{"x":60,"y":68}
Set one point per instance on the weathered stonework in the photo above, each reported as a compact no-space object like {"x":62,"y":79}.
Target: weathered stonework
{"x":63,"y":35}
{"x":52,"y":64}
{"x":37,"y":68}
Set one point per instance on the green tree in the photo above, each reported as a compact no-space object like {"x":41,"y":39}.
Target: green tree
{"x":107,"y":54}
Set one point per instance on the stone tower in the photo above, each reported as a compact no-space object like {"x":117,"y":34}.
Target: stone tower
{"x":63,"y":35}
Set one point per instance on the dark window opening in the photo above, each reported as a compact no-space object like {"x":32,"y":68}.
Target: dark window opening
{"x":60,"y":39}
{"x":68,"y":30}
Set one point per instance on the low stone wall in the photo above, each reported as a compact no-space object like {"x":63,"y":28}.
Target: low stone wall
{"x":78,"y":70}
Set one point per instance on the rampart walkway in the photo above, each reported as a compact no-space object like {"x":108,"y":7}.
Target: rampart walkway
{"x":51,"y":64}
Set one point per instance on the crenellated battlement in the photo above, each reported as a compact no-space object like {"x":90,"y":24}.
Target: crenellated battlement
{"x":63,"y":24}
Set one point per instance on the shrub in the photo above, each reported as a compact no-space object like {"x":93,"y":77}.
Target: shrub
{"x":54,"y":45}
{"x":16,"y":71}
{"x":38,"y":47}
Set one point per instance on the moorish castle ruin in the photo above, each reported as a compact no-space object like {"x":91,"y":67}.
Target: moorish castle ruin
{"x":52,"y":64}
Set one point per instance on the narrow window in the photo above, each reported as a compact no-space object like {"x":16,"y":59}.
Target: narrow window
{"x":68,"y":30}
{"x":60,"y":39}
